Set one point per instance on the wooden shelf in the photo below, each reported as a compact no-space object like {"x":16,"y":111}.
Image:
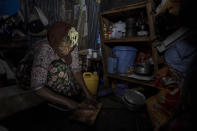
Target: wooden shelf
{"x":125,"y":78}
{"x":123,"y":13}
{"x":126,"y":8}
{"x":131,"y":39}
{"x":95,"y":59}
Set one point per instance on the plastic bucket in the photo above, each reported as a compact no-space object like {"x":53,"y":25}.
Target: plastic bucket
{"x":91,"y":81}
{"x":126,"y":57}
{"x":112,"y":65}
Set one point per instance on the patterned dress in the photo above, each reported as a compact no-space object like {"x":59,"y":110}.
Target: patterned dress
{"x":48,"y":70}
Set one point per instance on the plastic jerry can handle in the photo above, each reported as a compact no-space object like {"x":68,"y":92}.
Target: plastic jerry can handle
{"x":87,"y":74}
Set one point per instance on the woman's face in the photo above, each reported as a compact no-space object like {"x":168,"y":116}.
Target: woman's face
{"x":65,"y":48}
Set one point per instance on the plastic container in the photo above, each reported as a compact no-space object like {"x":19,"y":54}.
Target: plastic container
{"x":112,"y":65}
{"x":126,"y":57}
{"x":91,"y":81}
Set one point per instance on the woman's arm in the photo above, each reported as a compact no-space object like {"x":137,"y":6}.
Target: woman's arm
{"x":79,"y":78}
{"x":51,"y":96}
{"x":76,"y":69}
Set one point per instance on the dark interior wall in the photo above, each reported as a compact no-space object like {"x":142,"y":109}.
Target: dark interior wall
{"x":55,"y":10}
{"x":109,"y":4}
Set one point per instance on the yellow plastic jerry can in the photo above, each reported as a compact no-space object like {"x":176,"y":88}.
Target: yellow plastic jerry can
{"x":91,"y":81}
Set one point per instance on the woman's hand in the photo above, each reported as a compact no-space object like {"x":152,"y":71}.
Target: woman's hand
{"x":91,"y":100}
{"x":85,"y":105}
{"x":84,"y":112}
{"x":73,"y":105}
{"x":83,"y":115}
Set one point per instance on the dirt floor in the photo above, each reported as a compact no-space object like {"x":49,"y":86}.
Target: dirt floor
{"x":114,"y":116}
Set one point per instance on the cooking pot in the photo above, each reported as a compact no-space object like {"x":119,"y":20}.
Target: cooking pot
{"x":143,"y":69}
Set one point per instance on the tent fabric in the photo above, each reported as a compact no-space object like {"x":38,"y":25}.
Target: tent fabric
{"x":9,"y":7}
{"x":181,"y":54}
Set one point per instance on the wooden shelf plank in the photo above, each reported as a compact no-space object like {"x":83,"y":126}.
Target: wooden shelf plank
{"x":95,"y":59}
{"x":125,"y":78}
{"x":131,"y":39}
{"x":126,"y":8}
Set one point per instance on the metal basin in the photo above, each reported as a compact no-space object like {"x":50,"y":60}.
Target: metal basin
{"x":133,"y":99}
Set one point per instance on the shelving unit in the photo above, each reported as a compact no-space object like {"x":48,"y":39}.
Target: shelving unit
{"x":131,"y":39}
{"x":125,"y":78}
{"x":114,"y":15}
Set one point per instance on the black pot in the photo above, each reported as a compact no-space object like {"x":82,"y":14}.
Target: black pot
{"x":143,"y":69}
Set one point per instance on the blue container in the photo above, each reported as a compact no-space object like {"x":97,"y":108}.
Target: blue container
{"x":126,"y":57}
{"x":9,"y":7}
{"x":112,"y":65}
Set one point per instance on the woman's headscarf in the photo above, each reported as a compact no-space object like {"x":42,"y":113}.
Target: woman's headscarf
{"x":55,"y":35}
{"x":57,"y":32}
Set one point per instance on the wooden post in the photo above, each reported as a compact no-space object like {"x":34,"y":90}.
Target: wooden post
{"x":155,"y":57}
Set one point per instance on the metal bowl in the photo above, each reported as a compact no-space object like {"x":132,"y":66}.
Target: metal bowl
{"x":133,"y":99}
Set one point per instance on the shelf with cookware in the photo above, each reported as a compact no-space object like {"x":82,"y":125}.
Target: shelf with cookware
{"x":130,"y":39}
{"x":127,"y":33}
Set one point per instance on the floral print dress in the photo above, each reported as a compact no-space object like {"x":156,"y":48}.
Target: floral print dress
{"x":48,"y":70}
{"x":60,"y":79}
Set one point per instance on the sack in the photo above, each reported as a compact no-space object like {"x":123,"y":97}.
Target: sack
{"x":23,"y":71}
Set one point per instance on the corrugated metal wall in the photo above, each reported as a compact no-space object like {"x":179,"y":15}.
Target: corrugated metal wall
{"x":93,"y":8}
{"x":61,"y":10}
{"x":55,"y":10}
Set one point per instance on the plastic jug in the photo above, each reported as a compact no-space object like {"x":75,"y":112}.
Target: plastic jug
{"x":91,"y":81}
